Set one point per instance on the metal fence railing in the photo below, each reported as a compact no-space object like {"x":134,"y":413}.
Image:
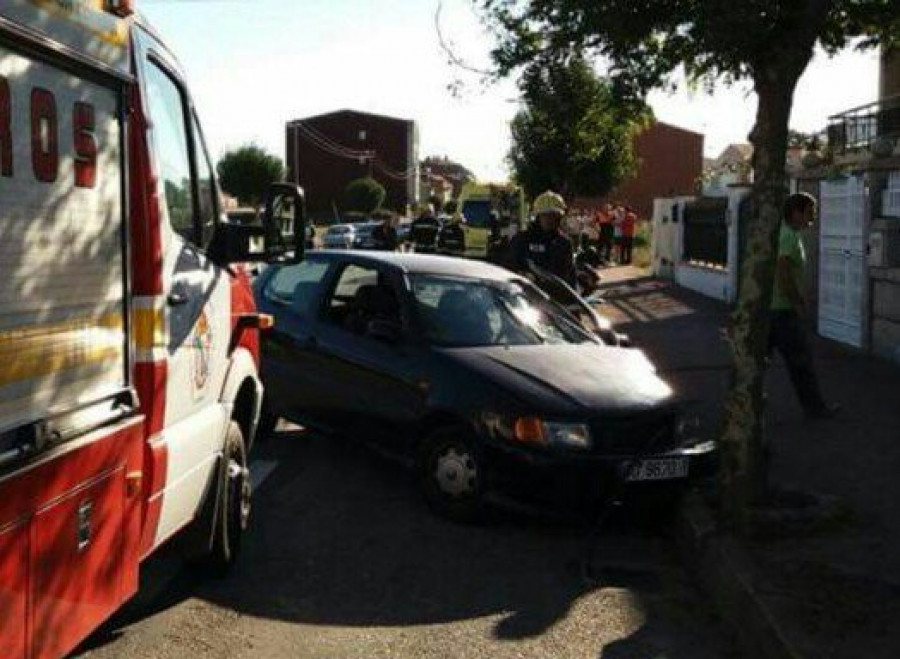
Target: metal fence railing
{"x":859,"y":128}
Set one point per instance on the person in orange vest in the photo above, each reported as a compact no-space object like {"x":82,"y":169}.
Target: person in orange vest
{"x":628,"y":225}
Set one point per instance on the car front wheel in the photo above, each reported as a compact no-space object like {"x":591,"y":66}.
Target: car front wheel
{"x":451,"y":474}
{"x":234,"y":503}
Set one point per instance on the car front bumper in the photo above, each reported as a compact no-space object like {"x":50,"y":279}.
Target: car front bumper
{"x":581,"y":480}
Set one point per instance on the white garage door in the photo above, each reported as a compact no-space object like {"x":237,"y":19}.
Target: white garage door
{"x":842,"y":260}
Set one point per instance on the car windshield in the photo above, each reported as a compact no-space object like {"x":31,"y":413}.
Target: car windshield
{"x":458,"y":312}
{"x":339,"y":230}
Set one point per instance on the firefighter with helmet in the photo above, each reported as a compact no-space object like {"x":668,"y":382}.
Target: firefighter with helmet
{"x":424,"y":230}
{"x":451,"y":239}
{"x":543,"y":243}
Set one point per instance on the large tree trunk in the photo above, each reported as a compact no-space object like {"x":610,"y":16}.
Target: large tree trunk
{"x":742,"y":476}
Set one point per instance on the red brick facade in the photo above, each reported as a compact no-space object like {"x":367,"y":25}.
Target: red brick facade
{"x":670,"y":164}
{"x":324,"y":153}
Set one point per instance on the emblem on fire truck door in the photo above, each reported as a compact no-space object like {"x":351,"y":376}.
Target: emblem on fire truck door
{"x":201,"y":344}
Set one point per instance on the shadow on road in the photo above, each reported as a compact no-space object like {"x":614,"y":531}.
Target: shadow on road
{"x":341,"y":538}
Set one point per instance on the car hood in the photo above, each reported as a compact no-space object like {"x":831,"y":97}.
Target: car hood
{"x":572,"y":378}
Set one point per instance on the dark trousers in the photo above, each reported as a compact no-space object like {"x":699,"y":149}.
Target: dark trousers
{"x":625,"y":249}
{"x":788,"y":335}
{"x":605,"y":243}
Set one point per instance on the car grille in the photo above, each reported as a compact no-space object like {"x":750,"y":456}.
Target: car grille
{"x":626,"y":436}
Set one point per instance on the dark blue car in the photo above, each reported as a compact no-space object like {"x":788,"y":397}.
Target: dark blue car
{"x":474,"y":375}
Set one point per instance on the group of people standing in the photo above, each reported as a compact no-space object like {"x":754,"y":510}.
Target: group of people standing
{"x":614,"y":225}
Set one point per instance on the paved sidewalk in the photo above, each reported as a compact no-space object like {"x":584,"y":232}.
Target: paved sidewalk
{"x":835,"y":584}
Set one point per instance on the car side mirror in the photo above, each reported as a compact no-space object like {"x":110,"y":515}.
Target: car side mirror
{"x":386,"y":331}
{"x":277,"y":236}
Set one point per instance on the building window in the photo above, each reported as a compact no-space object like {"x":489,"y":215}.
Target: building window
{"x":362,"y":136}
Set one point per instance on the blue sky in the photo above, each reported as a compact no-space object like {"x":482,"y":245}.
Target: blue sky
{"x":255,"y":64}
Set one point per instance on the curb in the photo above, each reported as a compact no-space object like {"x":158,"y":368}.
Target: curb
{"x":725,"y":574}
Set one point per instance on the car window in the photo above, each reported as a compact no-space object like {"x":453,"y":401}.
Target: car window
{"x":456,"y":312}
{"x":207,"y":188}
{"x":295,"y":286}
{"x":170,"y":140}
{"x":361,"y":294}
{"x":477,"y":213}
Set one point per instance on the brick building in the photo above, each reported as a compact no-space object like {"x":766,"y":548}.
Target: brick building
{"x":670,"y":164}
{"x":325,"y":152}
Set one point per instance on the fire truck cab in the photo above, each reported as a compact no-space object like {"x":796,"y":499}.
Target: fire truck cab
{"x":129,"y":347}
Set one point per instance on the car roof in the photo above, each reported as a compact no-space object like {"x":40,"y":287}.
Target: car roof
{"x":412,"y":263}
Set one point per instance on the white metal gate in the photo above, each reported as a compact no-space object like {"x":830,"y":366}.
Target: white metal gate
{"x":842,"y":259}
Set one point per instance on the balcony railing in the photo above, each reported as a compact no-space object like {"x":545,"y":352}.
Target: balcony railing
{"x":859,"y":128}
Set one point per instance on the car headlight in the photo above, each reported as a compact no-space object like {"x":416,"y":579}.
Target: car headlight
{"x":569,"y":435}
{"x":532,"y":430}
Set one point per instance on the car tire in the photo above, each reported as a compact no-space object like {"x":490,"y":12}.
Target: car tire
{"x":451,"y":474}
{"x":233,"y":511}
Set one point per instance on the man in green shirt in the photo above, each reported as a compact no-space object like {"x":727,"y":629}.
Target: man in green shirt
{"x":788,"y":333}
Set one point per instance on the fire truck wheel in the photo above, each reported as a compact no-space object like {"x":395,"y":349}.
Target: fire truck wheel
{"x":234,"y":503}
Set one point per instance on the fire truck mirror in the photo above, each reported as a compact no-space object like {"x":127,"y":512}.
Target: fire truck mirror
{"x":276,"y":236}
{"x":284,"y":223}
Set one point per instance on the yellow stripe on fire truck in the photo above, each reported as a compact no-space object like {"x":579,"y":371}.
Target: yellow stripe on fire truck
{"x":151,"y":332}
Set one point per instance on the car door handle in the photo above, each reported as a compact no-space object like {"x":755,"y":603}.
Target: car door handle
{"x":176,"y":299}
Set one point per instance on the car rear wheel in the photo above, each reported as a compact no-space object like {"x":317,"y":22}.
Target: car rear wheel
{"x":451,"y":474}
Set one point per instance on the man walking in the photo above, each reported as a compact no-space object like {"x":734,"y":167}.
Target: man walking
{"x":787,"y":332}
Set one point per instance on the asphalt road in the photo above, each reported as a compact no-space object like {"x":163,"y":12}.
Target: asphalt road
{"x":344,"y":560}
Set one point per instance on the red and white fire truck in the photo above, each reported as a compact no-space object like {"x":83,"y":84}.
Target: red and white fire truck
{"x":129,"y":386}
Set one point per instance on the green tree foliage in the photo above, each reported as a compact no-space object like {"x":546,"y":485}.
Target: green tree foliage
{"x":363,"y":195}
{"x":246,"y":173}
{"x":572,"y":134}
{"x":768,"y":42}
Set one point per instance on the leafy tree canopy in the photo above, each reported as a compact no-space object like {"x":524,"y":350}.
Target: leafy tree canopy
{"x":645,"y":40}
{"x":572,"y":134}
{"x":364,"y":195}
{"x":247,"y":172}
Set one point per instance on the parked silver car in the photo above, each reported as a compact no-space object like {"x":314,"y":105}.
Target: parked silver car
{"x":339,"y":236}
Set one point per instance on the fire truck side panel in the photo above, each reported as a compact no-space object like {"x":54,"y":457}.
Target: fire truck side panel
{"x":14,"y":589}
{"x":70,"y":515}
{"x":62,"y":294}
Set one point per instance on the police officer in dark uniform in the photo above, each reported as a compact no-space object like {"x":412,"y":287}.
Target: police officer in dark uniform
{"x":543,"y":243}
{"x":424,"y":231}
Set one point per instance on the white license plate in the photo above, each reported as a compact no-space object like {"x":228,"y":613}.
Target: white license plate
{"x":660,"y":469}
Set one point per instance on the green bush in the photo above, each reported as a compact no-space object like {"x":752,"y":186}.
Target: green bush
{"x":363,"y":195}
